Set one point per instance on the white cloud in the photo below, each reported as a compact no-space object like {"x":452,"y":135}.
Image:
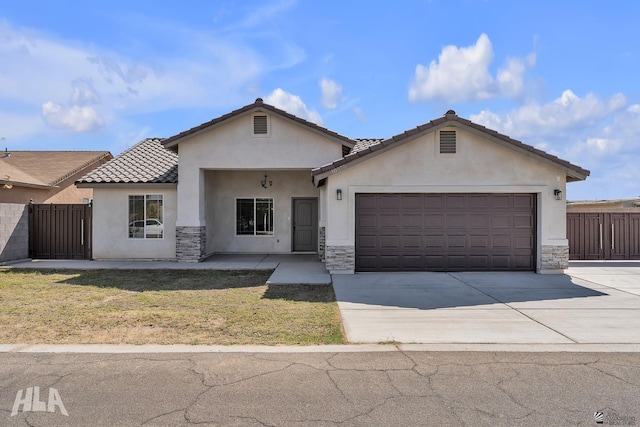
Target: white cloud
{"x":462,"y":74}
{"x":331,"y":93}
{"x":568,"y":112}
{"x":75,"y":118}
{"x":55,"y":79}
{"x":360,"y":114}
{"x":292,"y":104}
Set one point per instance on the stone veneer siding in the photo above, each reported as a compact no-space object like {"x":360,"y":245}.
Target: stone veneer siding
{"x":340,"y":258}
{"x":14,"y":231}
{"x":321,"y":243}
{"x":554,"y":257}
{"x":190,"y":243}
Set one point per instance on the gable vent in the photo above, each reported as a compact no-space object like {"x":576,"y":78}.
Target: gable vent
{"x":447,"y":142}
{"x":260,"y":125}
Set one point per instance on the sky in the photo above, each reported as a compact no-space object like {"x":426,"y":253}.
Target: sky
{"x":562,"y":76}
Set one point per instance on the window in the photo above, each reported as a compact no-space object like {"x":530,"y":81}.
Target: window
{"x":260,"y":125}
{"x":254,"y":217}
{"x":447,"y":142}
{"x":146,"y":216}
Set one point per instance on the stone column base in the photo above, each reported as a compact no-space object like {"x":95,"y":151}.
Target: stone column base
{"x":321,"y":243}
{"x":190,"y":243}
{"x":340,"y":259}
{"x":554,"y":258}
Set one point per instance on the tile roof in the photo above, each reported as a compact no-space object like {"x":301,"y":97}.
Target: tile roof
{"x":145,"y":163}
{"x":46,"y":168}
{"x":364,"y":143}
{"x":258,"y":105}
{"x":372,"y":147}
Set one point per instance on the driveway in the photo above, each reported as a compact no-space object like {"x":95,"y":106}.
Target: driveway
{"x":594,"y":303}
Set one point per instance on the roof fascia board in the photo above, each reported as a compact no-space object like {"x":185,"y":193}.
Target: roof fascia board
{"x":124,"y":185}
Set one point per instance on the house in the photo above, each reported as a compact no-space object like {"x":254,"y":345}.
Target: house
{"x":448,"y":195}
{"x":47,"y":176}
{"x":604,"y":229}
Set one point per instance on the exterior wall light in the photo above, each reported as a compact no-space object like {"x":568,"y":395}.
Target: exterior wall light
{"x":557,"y":194}
{"x":265,"y":183}
{"x":339,"y":194}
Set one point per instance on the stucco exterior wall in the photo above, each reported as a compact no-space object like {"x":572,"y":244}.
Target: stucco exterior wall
{"x":479,"y":166}
{"x":232,"y":146}
{"x":222,"y":188}
{"x":111,"y":225}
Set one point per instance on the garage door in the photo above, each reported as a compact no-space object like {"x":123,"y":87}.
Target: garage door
{"x":445,"y":232}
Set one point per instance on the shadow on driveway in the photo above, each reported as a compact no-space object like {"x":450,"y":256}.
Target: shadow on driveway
{"x":429,"y":291}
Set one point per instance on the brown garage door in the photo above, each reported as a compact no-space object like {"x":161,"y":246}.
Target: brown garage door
{"x":445,"y":232}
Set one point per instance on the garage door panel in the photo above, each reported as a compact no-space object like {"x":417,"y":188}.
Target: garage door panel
{"x":523,"y":262}
{"x":434,"y":241}
{"x":367,"y":242}
{"x":456,"y":221}
{"x":389,"y":242}
{"x":412,"y":221}
{"x":456,"y":242}
{"x":479,"y":241}
{"x":388,"y":221}
{"x":480,"y":221}
{"x":479,"y":262}
{"x":501,"y":262}
{"x":478,"y":202}
{"x":434,"y":221}
{"x":523,"y":201}
{"x":501,"y":221}
{"x":456,"y":201}
{"x":433,"y":201}
{"x":523,"y":242}
{"x":501,"y":201}
{"x":389,"y":201}
{"x":411,"y":242}
{"x":367,"y":221}
{"x":522,"y":221}
{"x":412,"y":202}
{"x":445,"y":232}
{"x":457,"y":262}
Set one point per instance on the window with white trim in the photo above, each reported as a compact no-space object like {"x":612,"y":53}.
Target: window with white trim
{"x":254,"y":217}
{"x":146,"y":216}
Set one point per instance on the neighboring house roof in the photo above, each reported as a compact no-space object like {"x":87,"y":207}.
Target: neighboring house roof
{"x":257,"y":106}
{"x":147,"y":162}
{"x":45,"y":169}
{"x":634,"y":202}
{"x":364,"y":143}
{"x":370,"y":148}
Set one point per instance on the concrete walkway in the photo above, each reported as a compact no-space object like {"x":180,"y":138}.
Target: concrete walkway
{"x":289,"y":268}
{"x":592,"y":304}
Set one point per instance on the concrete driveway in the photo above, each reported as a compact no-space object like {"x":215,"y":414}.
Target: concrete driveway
{"x":594,"y":303}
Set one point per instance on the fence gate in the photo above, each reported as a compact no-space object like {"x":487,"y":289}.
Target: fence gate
{"x":603,"y":235}
{"x":59,"y":231}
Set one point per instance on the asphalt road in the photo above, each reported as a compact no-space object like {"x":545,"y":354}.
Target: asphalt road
{"x":320,"y":389}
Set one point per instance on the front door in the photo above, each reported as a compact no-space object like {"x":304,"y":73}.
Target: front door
{"x":305,"y":225}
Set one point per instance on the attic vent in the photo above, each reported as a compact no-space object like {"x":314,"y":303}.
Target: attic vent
{"x":447,"y":142}
{"x":260,"y":125}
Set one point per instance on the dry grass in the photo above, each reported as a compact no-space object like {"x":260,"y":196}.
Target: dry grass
{"x":163,"y":307}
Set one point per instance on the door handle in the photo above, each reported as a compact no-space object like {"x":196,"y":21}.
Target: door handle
{"x":82,"y":232}
{"x":600,"y":236}
{"x":613,"y":237}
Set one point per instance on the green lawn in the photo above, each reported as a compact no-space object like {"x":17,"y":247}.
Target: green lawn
{"x":163,"y":307}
